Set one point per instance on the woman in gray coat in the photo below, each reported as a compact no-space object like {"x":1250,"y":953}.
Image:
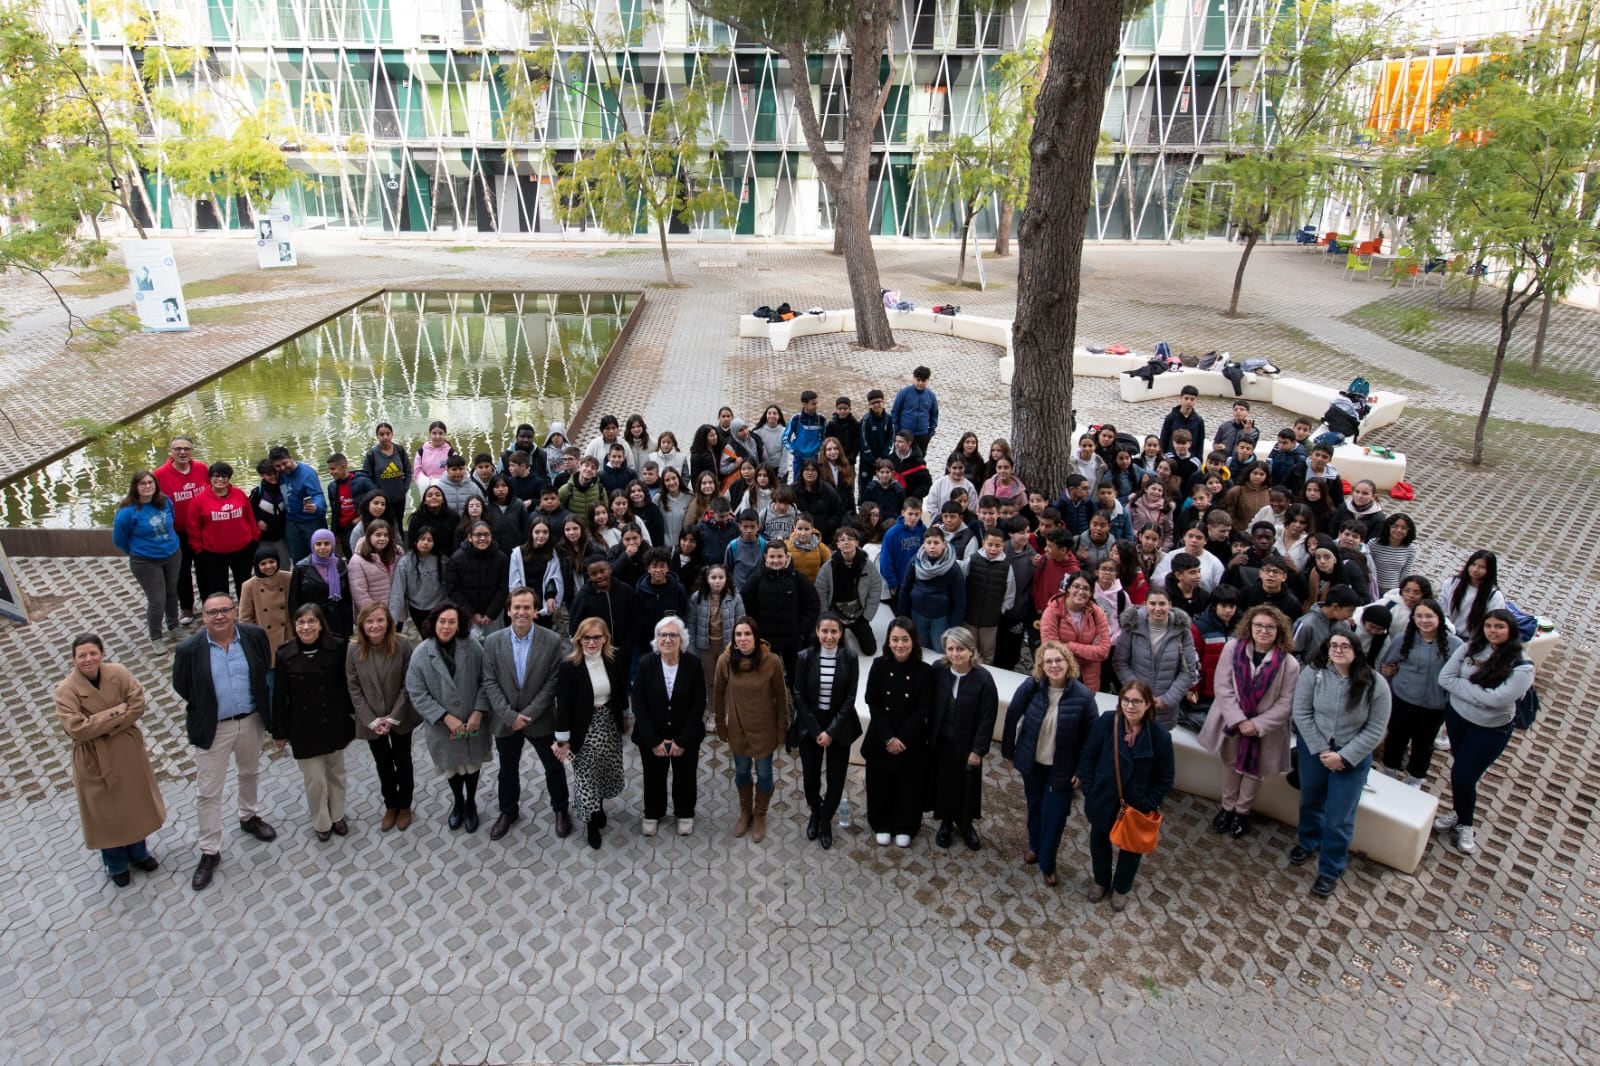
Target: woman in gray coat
{"x":1341,"y":710}
{"x":1157,"y":647}
{"x":443,"y":683}
{"x":714,"y":607}
{"x":375,"y":669}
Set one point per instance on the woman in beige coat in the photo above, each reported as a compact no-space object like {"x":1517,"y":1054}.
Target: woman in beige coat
{"x":375,"y":670}
{"x":99,"y":705}
{"x":752,"y":711}
{"x":264,"y":600}
{"x":1249,"y":723}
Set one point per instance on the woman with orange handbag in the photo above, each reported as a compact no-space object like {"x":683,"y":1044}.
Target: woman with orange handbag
{"x":1127,"y":761}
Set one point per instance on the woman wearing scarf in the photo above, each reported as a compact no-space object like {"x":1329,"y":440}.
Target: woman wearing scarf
{"x":1249,"y":719}
{"x":538,"y":566}
{"x":322,"y":579}
{"x":443,"y":683}
{"x":933,"y":590}
{"x":311,"y":710}
{"x":1133,"y":742}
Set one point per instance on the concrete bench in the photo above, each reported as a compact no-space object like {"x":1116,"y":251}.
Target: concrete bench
{"x":1209,"y":383}
{"x":1393,"y":822}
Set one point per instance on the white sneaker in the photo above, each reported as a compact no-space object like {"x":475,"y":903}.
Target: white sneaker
{"x":1466,"y":839}
{"x":882,"y":839}
{"x":186,"y":619}
{"x":1416,"y":782}
{"x":901,"y":840}
{"x":1445,"y":822}
{"x":1442,"y":741}
{"x":685,"y":826}
{"x":650,"y":826}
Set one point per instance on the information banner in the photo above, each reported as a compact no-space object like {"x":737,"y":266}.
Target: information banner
{"x":275,"y":240}
{"x":157,"y":291}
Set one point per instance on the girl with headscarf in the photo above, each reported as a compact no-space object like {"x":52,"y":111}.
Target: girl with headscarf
{"x":322,"y":578}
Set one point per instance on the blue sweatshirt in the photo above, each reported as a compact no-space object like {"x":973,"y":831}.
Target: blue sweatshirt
{"x":145,"y":532}
{"x":299,"y":485}
{"x":900,"y":545}
{"x":803,"y":438}
{"x":916,"y":411}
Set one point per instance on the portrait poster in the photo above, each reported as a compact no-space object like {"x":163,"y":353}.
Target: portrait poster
{"x":157,"y":290}
{"x":275,"y":240}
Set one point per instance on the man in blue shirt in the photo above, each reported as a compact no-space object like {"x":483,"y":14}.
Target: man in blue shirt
{"x":305,"y":507}
{"x":521,"y":664}
{"x":221,"y":675}
{"x":916,"y":409}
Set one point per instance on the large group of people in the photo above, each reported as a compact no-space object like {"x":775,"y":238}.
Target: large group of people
{"x":567,"y":597}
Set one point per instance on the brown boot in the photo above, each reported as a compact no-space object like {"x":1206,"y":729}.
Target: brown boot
{"x":742,"y":826}
{"x":402,"y":818}
{"x":758,"y":830}
{"x":388,"y":820}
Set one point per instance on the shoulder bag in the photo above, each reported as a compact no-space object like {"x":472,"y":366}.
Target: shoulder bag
{"x":1133,"y":830}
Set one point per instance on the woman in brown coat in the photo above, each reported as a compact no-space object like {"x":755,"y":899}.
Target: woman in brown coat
{"x":264,"y":600}
{"x":752,"y":710}
{"x":1249,"y":722}
{"x":99,"y":705}
{"x":375,"y":668}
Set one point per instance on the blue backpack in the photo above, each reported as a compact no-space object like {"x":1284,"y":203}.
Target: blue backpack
{"x":1527,"y":624}
{"x":1527,"y":708}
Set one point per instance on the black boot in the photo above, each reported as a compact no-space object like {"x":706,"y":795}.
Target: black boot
{"x":825,"y":835}
{"x":814,"y":826}
{"x":945,"y":835}
{"x":593,"y":832}
{"x":1240,"y":826}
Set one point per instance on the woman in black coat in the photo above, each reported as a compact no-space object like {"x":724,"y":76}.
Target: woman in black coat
{"x":960,"y":733}
{"x":311,"y":712}
{"x":1134,"y":741}
{"x":825,"y":721}
{"x":669,"y":724}
{"x":895,"y":747}
{"x":321,"y":579}
{"x":475,"y":580}
{"x":591,"y":719}
{"x":434,"y":514}
{"x":818,"y":499}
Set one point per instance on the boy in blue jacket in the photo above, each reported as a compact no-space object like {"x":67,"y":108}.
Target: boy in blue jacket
{"x":803,"y":437}
{"x":901,"y":542}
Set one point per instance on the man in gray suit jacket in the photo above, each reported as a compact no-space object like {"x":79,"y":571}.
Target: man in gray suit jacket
{"x":520,"y":667}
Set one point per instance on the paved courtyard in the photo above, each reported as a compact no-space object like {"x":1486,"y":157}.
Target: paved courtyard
{"x":428,"y":946}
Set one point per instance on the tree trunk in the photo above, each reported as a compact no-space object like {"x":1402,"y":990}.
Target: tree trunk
{"x":868,"y":37}
{"x":1508,"y":324}
{"x":1066,"y":134}
{"x":966,"y":230}
{"x":666,"y":260}
{"x":1538,"y":338}
{"x":1002,"y":238}
{"x":1238,"y":275}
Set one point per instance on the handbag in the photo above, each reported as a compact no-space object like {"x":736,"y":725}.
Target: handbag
{"x":1133,"y":830}
{"x":1403,"y":491}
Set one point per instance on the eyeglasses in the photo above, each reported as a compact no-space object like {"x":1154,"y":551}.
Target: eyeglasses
{"x":1132,"y":701}
{"x":1264,"y":627}
{"x":1341,"y":646}
{"x":587,"y":637}
{"x":218,"y":612}
{"x":669,"y":636}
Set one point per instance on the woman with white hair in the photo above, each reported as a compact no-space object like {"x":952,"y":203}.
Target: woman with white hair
{"x":669,"y":700}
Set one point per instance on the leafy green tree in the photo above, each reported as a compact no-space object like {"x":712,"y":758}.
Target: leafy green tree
{"x":64,"y":146}
{"x":991,"y":164}
{"x":1512,"y":171}
{"x":1284,"y":155}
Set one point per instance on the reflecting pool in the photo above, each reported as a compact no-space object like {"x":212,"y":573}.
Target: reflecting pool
{"x":479,"y":362}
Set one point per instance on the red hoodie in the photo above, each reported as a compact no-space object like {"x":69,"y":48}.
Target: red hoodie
{"x":182,"y":488}
{"x":222,"y":524}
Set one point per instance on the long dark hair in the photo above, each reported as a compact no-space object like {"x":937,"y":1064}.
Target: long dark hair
{"x":1502,"y":661}
{"x":1409,"y":639}
{"x":737,"y":659}
{"x":158,"y":501}
{"x":901,"y":622}
{"x":700,"y":445}
{"x":1480,"y":602}
{"x":1128,"y":569}
{"x":1362,"y":677}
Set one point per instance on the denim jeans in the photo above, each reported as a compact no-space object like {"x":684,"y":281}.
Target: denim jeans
{"x":1328,"y":802}
{"x":930,"y":630}
{"x":1473,"y":749}
{"x":763,"y":771}
{"x":1047,"y":815}
{"x":118,"y":860}
{"x":297,"y":537}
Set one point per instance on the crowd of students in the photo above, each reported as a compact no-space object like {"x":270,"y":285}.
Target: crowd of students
{"x":1252,"y":599}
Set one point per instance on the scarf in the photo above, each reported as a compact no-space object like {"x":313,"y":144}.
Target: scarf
{"x":327,"y":569}
{"x":1251,"y":686}
{"x":928,"y":569}
{"x":447,"y":652}
{"x":1130,"y":731}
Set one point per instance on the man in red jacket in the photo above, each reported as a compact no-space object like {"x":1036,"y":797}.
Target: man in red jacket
{"x":182,"y":477}
{"x":222,"y":528}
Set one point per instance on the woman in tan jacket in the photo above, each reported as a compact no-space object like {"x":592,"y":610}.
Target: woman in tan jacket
{"x":99,"y":705}
{"x":752,"y":711}
{"x":375,"y":668}
{"x":264,"y":600}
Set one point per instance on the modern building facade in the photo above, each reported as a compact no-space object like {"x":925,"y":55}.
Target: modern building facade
{"x":420,"y":115}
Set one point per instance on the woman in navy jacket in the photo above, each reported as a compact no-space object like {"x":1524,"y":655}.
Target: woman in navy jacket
{"x":1144,"y":754}
{"x":1046,"y":725}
